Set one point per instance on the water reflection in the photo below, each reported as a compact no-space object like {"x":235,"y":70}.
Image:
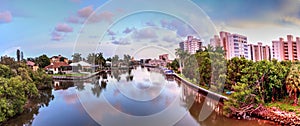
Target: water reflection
{"x":172,"y":101}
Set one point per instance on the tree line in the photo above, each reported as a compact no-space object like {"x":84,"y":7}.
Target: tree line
{"x":18,"y":84}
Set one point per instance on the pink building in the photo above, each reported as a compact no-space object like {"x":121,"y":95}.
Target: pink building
{"x":191,"y":45}
{"x":286,"y":50}
{"x":215,"y":41}
{"x":259,"y":52}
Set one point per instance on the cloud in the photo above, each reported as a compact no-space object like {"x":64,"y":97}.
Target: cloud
{"x":121,"y":41}
{"x":73,"y":19}
{"x":55,"y":36}
{"x":128,"y":30}
{"x":103,"y":16}
{"x":63,"y":27}
{"x":170,"y":39}
{"x":5,"y":17}
{"x":150,"y":23}
{"x":291,"y":20}
{"x":154,"y":41}
{"x":85,"y":12}
{"x":111,"y":33}
{"x":147,"y":33}
{"x":181,"y":29}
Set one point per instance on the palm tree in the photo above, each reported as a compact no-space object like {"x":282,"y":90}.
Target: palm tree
{"x":293,"y":83}
{"x":183,"y":55}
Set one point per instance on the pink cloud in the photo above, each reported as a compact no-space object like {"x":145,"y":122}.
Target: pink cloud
{"x":56,"y":36}
{"x":63,"y":28}
{"x":103,"y":16}
{"x":5,"y":17}
{"x":85,"y":12}
{"x":73,"y":19}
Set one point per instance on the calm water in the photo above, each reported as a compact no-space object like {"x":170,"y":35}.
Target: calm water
{"x":125,"y":97}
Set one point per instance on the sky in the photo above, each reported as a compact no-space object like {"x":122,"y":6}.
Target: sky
{"x":140,"y":28}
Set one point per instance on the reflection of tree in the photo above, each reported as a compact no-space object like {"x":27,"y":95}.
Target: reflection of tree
{"x":97,"y":89}
{"x":79,"y":85}
{"x":32,"y":109}
{"x":129,"y":77}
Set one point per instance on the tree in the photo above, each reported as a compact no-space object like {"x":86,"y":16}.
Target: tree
{"x":174,"y":65}
{"x":18,"y":55}
{"x":234,"y":70}
{"x":22,"y":56}
{"x":77,"y":57}
{"x":126,"y":58}
{"x":293,"y":83}
{"x":5,"y":71}
{"x":62,"y":59}
{"x":42,"y":61}
{"x":182,"y":55}
{"x":115,"y":60}
{"x":96,"y":58}
{"x":9,"y":61}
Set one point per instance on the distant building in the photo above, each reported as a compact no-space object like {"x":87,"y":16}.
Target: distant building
{"x":191,"y":45}
{"x":58,"y":58}
{"x":215,"y":41}
{"x":286,"y":50}
{"x":32,"y":65}
{"x":259,"y":52}
{"x":234,"y":45}
{"x":164,"y":57}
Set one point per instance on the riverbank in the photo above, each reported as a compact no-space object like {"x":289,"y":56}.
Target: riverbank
{"x":278,"y":116}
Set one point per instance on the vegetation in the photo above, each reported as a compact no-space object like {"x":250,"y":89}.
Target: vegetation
{"x":18,"y":83}
{"x":253,"y":84}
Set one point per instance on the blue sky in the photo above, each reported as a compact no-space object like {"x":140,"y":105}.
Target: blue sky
{"x":67,"y":26}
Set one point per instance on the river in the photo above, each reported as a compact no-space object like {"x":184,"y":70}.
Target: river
{"x":139,"y":96}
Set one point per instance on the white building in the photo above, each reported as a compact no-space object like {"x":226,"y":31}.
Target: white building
{"x":235,"y":45}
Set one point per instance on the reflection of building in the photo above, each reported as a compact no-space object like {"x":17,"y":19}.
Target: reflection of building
{"x":286,"y":50}
{"x":58,"y":67}
{"x":191,"y":45}
{"x":32,"y":65}
{"x":235,"y":45}
{"x":259,"y":52}
{"x":157,"y":62}
{"x":58,"y":58}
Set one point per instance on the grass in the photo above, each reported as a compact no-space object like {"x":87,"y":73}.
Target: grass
{"x":285,"y":105}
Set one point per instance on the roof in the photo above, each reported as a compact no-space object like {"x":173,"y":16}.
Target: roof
{"x":30,"y":63}
{"x":81,"y":63}
{"x":56,"y":65}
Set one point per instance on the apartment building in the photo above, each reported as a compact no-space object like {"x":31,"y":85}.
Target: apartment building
{"x":286,"y":49}
{"x":191,"y":45}
{"x":259,"y":52}
{"x":234,"y":45}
